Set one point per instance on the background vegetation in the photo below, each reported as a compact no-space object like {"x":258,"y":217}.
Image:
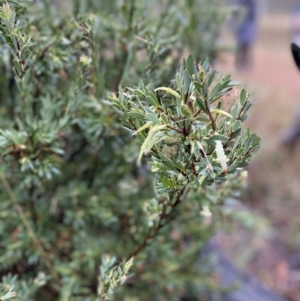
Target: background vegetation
{"x":273,"y":174}
{"x":76,"y":85}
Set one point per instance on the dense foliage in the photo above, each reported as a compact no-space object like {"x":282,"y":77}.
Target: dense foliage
{"x":91,"y":99}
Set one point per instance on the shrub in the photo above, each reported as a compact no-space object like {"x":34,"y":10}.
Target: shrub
{"x":80,"y":209}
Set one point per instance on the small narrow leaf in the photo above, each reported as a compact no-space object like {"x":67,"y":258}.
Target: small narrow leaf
{"x":211,"y":78}
{"x":178,"y":81}
{"x":152,"y":118}
{"x":169,"y":90}
{"x":164,"y":118}
{"x":153,"y":136}
{"x":157,"y":128}
{"x":236,"y":125}
{"x":152,"y":101}
{"x":138,"y":92}
{"x":180,"y":166}
{"x":136,"y":115}
{"x":221,"y":156}
{"x":205,"y":65}
{"x":121,"y":96}
{"x":243,"y":97}
{"x":190,"y":65}
{"x":187,"y":82}
{"x":201,"y":104}
{"x":198,"y":86}
{"x":214,"y":91}
{"x":185,"y":111}
{"x":202,"y":180}
{"x":218,"y":111}
{"x":218,"y":137}
{"x":144,"y":127}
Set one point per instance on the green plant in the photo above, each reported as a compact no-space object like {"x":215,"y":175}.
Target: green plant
{"x":73,"y":197}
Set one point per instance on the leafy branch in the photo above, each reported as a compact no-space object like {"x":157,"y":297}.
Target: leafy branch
{"x":29,"y":229}
{"x":187,"y":148}
{"x":163,"y":220}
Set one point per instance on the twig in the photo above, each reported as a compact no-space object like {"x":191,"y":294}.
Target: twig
{"x":141,"y":39}
{"x":31,"y":233}
{"x":153,"y":232}
{"x":199,"y":111}
{"x":174,"y":129}
{"x":242,"y":109}
{"x":210,"y":116}
{"x":42,"y":55}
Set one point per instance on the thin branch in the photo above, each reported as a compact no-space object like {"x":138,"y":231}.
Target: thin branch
{"x":210,"y":116}
{"x":174,"y":129}
{"x":133,"y":125}
{"x":42,"y":55}
{"x":153,"y":232}
{"x":189,"y":128}
{"x":32,"y":204}
{"x":199,"y":111}
{"x":163,"y":110}
{"x":31,"y":233}
{"x":141,"y":39}
{"x":242,"y":109}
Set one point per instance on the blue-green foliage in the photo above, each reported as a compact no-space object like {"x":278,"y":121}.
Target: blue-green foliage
{"x":75,"y":207}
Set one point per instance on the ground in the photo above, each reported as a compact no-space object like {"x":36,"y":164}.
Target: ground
{"x":267,"y":244}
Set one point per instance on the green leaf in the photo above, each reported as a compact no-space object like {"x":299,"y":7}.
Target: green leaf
{"x":236,"y":133}
{"x":210,"y":78}
{"x":205,"y":65}
{"x":180,"y":166}
{"x":201,"y":104}
{"x":164,"y":118}
{"x":243,"y":97}
{"x":178,"y":81}
{"x":203,"y":118}
{"x":169,"y":90}
{"x":138,"y":92}
{"x":136,"y":115}
{"x":152,"y":101}
{"x":190,"y":65}
{"x":3,"y":141}
{"x":214,"y":91}
{"x":198,"y":86}
{"x":144,"y":127}
{"x":185,"y":111}
{"x":225,"y":84}
{"x":170,"y":140}
{"x":187,"y":82}
{"x":218,"y":137}
{"x":152,"y":118}
{"x":243,"y":138}
{"x":236,"y":125}
{"x":158,"y":128}
{"x":220,"y":112}
{"x":202,"y":180}
{"x":153,"y":136}
{"x":121,"y":96}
